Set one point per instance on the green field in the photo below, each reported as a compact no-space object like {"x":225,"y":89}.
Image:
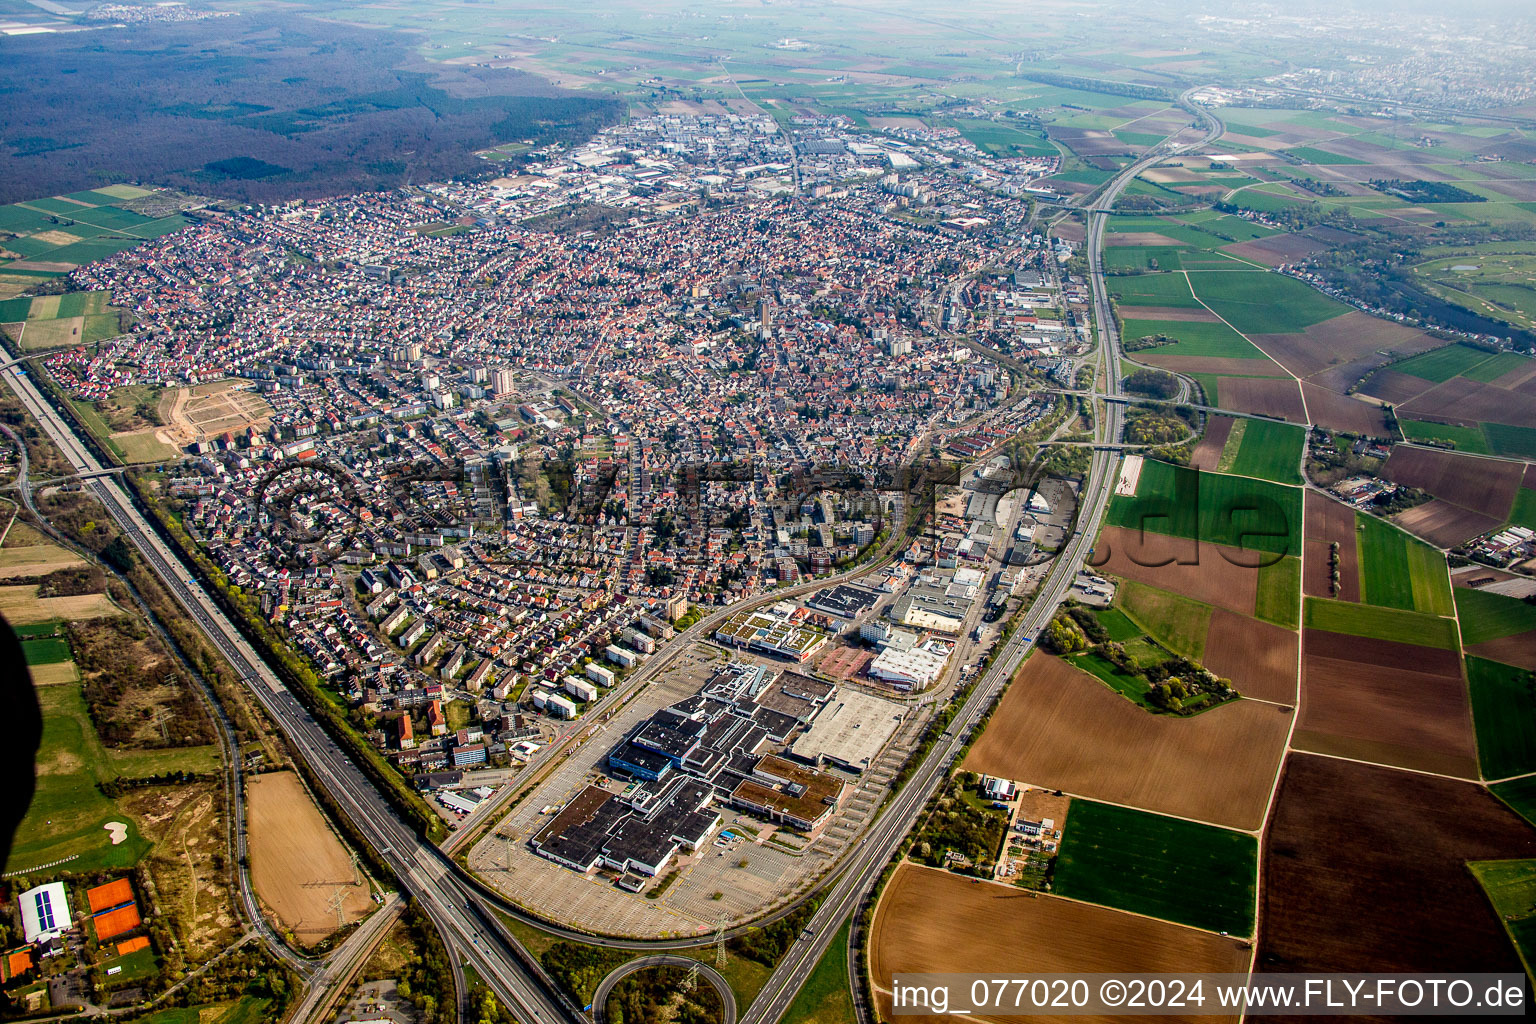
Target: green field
{"x":1504,"y":713}
{"x":825,"y":998}
{"x":1510,"y":441}
{"x":1321,"y":156}
{"x":1279,"y":597}
{"x":1441,"y":364}
{"x":1524,"y":512}
{"x":1236,"y":511}
{"x":1119,"y":627}
{"x":1175,"y":621}
{"x":1142,"y":257}
{"x":1520,"y":794}
{"x":1171,"y":290}
{"x":1212,"y":340}
{"x":1488,"y":616}
{"x":1398,"y":571}
{"x":1264,"y":303}
{"x":1270,"y":451}
{"x":1465,"y":439}
{"x":1511,"y":888}
{"x":47,"y":651}
{"x":245,"y":1010}
{"x":1379,"y":623}
{"x":1177,"y":870}
{"x":67,"y":810}
{"x":1133,"y":688}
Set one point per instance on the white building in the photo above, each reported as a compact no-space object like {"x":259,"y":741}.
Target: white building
{"x":45,"y":912}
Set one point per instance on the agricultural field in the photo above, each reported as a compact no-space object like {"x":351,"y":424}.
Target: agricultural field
{"x":1497,"y":627}
{"x":1263,"y":303}
{"x":20,"y":605}
{"x":56,"y":321}
{"x":1239,"y":512}
{"x":1350,"y":854}
{"x":932,"y":920}
{"x":1391,"y":624}
{"x":1473,"y":494}
{"x":1175,"y":621}
{"x":1060,"y":728}
{"x":1211,"y":574}
{"x":1328,"y":522}
{"x":1511,"y":888}
{"x":297,"y":861}
{"x":1259,"y":657}
{"x":49,"y":237}
{"x":1264,"y":449}
{"x":1385,"y":702}
{"x":1504,"y":713}
{"x":1159,"y":866}
{"x":34,"y":559}
{"x":1398,"y":571}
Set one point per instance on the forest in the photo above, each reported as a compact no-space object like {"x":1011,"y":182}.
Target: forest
{"x":262,"y":109}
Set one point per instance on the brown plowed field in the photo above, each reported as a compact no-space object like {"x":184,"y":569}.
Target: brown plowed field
{"x":932,"y":920}
{"x":1341,"y":412}
{"x":1276,"y":249}
{"x":1385,"y":702}
{"x":1259,"y":657}
{"x":1395,"y":387}
{"x":1518,"y":376}
{"x":1519,"y":649}
{"x":1528,"y":480}
{"x":1140,"y":238}
{"x":1061,"y":728}
{"x":1365,"y":870}
{"x":1215,"y":579}
{"x":1328,"y":521}
{"x":1211,"y":364}
{"x":1188,"y":316}
{"x":1469,"y":402}
{"x":1265,"y":396}
{"x":1480,"y":484}
{"x":1443,"y":524}
{"x":1341,"y":340}
{"x":1208,"y":452}
{"x":297,"y":863}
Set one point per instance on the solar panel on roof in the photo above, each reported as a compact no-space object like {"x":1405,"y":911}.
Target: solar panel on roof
{"x":45,"y":917}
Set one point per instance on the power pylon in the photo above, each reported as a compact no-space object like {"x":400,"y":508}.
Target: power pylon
{"x":720,"y":939}
{"x":692,"y":980}
{"x":335,"y":903}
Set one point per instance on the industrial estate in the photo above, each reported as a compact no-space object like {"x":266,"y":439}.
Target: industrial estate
{"x":687,"y":512}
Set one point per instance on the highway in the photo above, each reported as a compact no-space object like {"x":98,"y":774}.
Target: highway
{"x":875,"y":852}
{"x":420,"y":867}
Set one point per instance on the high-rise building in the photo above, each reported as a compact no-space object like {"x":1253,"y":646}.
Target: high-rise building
{"x":504,"y":382}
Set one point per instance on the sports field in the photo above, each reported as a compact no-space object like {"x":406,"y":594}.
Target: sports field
{"x":1399,"y":571}
{"x":1504,"y":715}
{"x":1241,"y":512}
{"x":1380,"y":623}
{"x":68,"y":811}
{"x":1164,"y":867}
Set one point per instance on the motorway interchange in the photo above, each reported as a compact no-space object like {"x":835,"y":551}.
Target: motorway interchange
{"x":460,"y":908}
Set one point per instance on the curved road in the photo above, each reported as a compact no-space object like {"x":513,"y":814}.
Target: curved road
{"x":708,"y":973}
